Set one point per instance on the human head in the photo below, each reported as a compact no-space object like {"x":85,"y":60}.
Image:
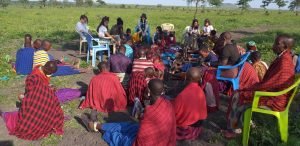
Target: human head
{"x":83,"y":19}
{"x":204,"y":50}
{"x":193,"y":75}
{"x":37,"y":44}
{"x":128,"y":31}
{"x":251,"y":46}
{"x":226,"y":38}
{"x":103,"y":66}
{"x":142,"y":53}
{"x":195,"y":23}
{"x":122,"y":49}
{"x":282,"y":42}
{"x":119,"y":21}
{"x":27,"y":40}
{"x":156,"y":88}
{"x":143,"y":17}
{"x":46,"y":45}
{"x":213,"y":33}
{"x":207,"y":22}
{"x":149,"y":72}
{"x":49,"y":68}
{"x":104,"y":21}
{"x":255,"y":56}
{"x":158,"y":29}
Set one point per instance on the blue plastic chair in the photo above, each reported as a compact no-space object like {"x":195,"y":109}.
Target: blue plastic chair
{"x":235,"y":81}
{"x":102,"y":45}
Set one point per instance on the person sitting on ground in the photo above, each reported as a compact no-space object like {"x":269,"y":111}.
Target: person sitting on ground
{"x":41,"y":56}
{"x":143,"y":29}
{"x":105,"y":92}
{"x":208,"y":57}
{"x":190,"y":113}
{"x":120,"y":65}
{"x":128,"y":35}
{"x":142,"y":62}
{"x":40,"y":113}
{"x":129,"y":50}
{"x":103,"y":33}
{"x":207,"y":28}
{"x":138,"y":84}
{"x":251,"y":46}
{"x":159,"y":68}
{"x":24,"y":57}
{"x":37,"y":44}
{"x":158,"y":37}
{"x":83,"y":30}
{"x":159,"y":113}
{"x":117,"y":29}
{"x":228,"y":55}
{"x":279,"y":76}
{"x":260,"y":66}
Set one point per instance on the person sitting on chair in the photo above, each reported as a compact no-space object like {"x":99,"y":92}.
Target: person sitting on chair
{"x":143,"y":29}
{"x":103,"y":33}
{"x":207,"y":28}
{"x":83,"y":30}
{"x":117,"y":30}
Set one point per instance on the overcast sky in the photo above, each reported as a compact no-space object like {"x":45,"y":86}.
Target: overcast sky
{"x":254,"y":3}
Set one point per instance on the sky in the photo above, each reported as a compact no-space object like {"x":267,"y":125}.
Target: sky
{"x":254,"y":3}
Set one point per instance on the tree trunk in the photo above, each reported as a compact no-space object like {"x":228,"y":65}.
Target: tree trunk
{"x":196,"y":9}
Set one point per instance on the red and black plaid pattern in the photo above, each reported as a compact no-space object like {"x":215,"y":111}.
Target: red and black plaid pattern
{"x":278,"y":77}
{"x":158,"y":126}
{"x":40,"y":113}
{"x":136,"y":86}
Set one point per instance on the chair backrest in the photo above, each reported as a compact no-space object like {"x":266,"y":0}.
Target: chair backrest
{"x":167,"y":27}
{"x":294,"y":87}
{"x":241,"y":64}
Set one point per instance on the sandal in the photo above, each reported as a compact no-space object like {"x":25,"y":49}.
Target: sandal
{"x":85,"y":121}
{"x":228,"y":134}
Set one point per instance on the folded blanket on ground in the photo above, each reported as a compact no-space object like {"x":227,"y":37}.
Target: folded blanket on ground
{"x":65,"y":71}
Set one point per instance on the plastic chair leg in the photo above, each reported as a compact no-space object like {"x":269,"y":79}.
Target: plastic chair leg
{"x":80,"y":46}
{"x":88,"y":56}
{"x":283,"y":121}
{"x":246,"y":126}
{"x":235,"y":84}
{"x":94,"y":58}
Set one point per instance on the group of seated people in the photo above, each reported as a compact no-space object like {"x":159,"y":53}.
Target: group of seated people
{"x":137,"y":77}
{"x":34,"y":54}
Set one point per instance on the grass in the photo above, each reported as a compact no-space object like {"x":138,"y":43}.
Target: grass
{"x":57,"y":25}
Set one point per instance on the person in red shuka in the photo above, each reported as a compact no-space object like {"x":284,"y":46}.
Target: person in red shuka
{"x":278,"y":77}
{"x":190,"y":107}
{"x":40,"y":113}
{"x":105,"y":92}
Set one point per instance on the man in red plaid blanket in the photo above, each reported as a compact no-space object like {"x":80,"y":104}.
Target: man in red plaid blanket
{"x":40,"y":113}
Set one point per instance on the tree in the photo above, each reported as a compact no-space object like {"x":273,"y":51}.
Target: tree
{"x":101,"y":2}
{"x":4,"y":3}
{"x":216,"y":3}
{"x":243,"y":4}
{"x":89,"y":3}
{"x":79,"y":2}
{"x":43,"y":3}
{"x":159,"y":6}
{"x":265,"y":4}
{"x":295,"y":6}
{"x":280,"y":4}
{"x":65,"y":2}
{"x":24,"y":2}
{"x":197,"y":2}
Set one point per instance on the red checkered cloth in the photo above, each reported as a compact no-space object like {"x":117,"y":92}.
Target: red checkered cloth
{"x":105,"y":94}
{"x":188,"y":133}
{"x":40,"y":113}
{"x":136,"y":86}
{"x":279,"y":76}
{"x":158,"y":127}
{"x":209,"y":76}
{"x":190,"y":105}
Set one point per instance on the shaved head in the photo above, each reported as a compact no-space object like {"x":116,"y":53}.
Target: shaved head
{"x":103,"y":66}
{"x":156,"y":87}
{"x":283,"y":42}
{"x":194,"y":74}
{"x":149,"y":72}
{"x":27,"y":40}
{"x":37,"y":44}
{"x":46,"y":45}
{"x":50,"y":68}
{"x":226,"y":35}
{"x":142,"y":53}
{"x":122,"y":49}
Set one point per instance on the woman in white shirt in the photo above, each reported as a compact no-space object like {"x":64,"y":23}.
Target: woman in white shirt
{"x":192,"y":34}
{"x":207,"y":28}
{"x":102,"y":30}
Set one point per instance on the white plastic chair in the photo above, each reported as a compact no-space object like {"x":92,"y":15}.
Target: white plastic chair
{"x":167,"y":27}
{"x":102,"y":45}
{"x":81,"y":41}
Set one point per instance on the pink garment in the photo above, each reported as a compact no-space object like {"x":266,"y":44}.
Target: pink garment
{"x":10,"y":119}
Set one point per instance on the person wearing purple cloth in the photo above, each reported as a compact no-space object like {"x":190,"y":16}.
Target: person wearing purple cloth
{"x":24,"y":57}
{"x":208,"y":56}
{"x":120,"y":65}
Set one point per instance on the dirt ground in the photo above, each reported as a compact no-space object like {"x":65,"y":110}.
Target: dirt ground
{"x":76,"y":135}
